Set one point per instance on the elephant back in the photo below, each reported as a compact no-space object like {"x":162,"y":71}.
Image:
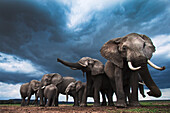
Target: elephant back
{"x":56,"y":78}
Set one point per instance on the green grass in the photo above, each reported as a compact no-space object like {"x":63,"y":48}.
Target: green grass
{"x":10,"y":104}
{"x":155,"y":103}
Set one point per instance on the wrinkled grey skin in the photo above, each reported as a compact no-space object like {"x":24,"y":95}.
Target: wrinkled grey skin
{"x":51,"y":93}
{"x":95,"y":77}
{"x":61,"y":83}
{"x":27,"y":90}
{"x":79,"y":87}
{"x":136,"y":48}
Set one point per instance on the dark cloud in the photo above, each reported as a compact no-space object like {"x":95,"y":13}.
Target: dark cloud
{"x":15,"y":78}
{"x":37,"y":31}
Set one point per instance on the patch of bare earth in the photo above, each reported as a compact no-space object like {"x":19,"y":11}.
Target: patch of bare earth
{"x":70,"y":109}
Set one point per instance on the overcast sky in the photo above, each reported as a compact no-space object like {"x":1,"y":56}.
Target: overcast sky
{"x":34,"y":33}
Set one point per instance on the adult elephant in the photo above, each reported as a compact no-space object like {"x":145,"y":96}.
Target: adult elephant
{"x":95,"y":77}
{"x":27,"y":90}
{"x":121,"y":53}
{"x":60,"y":82}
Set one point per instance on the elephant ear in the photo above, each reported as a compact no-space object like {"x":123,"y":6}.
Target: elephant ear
{"x":110,"y":51}
{"x":79,"y":85}
{"x":97,"y":68}
{"x":149,"y":48}
{"x":56,"y":78}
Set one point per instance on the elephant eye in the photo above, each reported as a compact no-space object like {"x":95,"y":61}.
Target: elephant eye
{"x":124,"y":48}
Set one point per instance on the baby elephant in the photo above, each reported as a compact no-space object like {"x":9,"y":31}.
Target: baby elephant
{"x":27,"y":90}
{"x":50,"y":93}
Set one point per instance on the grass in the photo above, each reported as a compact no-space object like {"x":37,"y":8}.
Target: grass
{"x":10,"y":104}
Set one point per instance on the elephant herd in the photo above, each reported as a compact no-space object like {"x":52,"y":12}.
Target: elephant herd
{"x":124,"y":73}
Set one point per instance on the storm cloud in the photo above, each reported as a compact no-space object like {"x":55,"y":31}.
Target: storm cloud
{"x":42,"y":31}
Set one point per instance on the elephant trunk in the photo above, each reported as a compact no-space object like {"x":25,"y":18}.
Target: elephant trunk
{"x":67,"y":97}
{"x":69,"y":64}
{"x":154,"y":90}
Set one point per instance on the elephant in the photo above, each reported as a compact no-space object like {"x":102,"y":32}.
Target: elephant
{"x":95,"y":78}
{"x":60,"y":82}
{"x":27,"y":90}
{"x":79,"y":87}
{"x":121,"y":53}
{"x":51,"y":93}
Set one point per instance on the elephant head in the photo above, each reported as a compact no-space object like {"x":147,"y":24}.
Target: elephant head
{"x":53,"y":78}
{"x":135,"y":50}
{"x":34,"y":85}
{"x":73,"y":86}
{"x":86,"y":64}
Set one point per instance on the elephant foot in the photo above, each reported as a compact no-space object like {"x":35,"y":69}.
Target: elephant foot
{"x":104,"y":104}
{"x":46,"y":105}
{"x":96,"y":105}
{"x":134,"y":104}
{"x":120,"y":104}
{"x":110,"y":104}
{"x":75,"y":105}
{"x":22,"y":104}
{"x":83,"y":105}
{"x":42,"y":105}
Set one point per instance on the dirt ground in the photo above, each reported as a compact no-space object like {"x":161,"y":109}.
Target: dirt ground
{"x":89,"y":109}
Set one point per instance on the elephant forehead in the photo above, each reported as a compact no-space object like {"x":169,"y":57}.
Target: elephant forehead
{"x":85,"y":59}
{"x":134,"y":42}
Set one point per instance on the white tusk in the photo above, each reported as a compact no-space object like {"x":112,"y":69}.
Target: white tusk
{"x":84,"y":65}
{"x":43,"y":87}
{"x":133,"y":68}
{"x":155,"y":66}
{"x":142,"y":83}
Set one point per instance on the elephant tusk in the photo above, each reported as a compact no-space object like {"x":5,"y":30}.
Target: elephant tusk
{"x":43,"y":87}
{"x":133,"y":68}
{"x":155,"y":66}
{"x":84,"y":65}
{"x":142,"y":83}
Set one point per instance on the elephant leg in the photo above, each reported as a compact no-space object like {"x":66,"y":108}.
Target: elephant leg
{"x":23,"y":101}
{"x":41,"y":97}
{"x":127,"y":92}
{"x":48,"y":102}
{"x":109,"y":95}
{"x":97,"y":86}
{"x":119,"y":88}
{"x":75,"y":97}
{"x":134,"y":86}
{"x":45,"y":100}
{"x":28,"y":100}
{"x":53,"y":101}
{"x":104,"y":99}
{"x":84,"y":98}
{"x":56,"y":99}
{"x":36,"y":100}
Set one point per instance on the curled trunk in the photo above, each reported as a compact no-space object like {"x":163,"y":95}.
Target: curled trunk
{"x":154,"y":90}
